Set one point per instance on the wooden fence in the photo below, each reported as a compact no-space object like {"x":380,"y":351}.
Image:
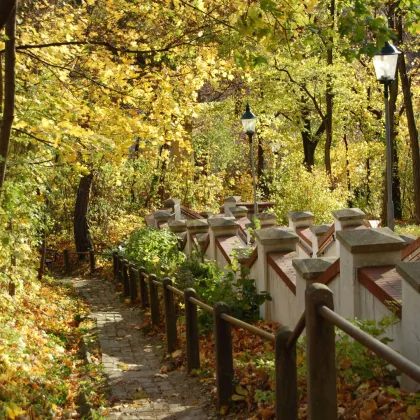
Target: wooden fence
{"x":48,"y":256}
{"x":319,"y":320}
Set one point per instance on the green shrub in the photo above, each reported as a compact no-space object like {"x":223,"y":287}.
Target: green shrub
{"x":295,"y":188}
{"x":212,"y":285}
{"x":153,"y":249}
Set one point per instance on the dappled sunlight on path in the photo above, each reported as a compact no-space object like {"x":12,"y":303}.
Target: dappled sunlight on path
{"x":131,"y":362}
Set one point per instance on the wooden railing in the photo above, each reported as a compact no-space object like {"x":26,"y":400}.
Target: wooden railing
{"x":319,"y":320}
{"x":45,"y":252}
{"x":135,"y":278}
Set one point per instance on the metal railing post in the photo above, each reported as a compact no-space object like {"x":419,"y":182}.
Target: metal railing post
{"x":322,"y":393}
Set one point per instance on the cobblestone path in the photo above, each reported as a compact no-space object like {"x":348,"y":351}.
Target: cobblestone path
{"x":132,"y":365}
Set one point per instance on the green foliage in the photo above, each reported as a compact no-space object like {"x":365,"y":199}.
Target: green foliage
{"x":212,"y":285}
{"x":153,"y":249}
{"x":294,"y":188}
{"x":356,"y":363}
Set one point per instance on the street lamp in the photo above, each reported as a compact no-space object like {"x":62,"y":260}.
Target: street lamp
{"x":385,"y":64}
{"x":249,"y":121}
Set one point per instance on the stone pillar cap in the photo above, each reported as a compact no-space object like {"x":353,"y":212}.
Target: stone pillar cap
{"x":294,"y":216}
{"x":223,"y":223}
{"x":266,"y":216}
{"x":171,"y":202}
{"x":273,"y":235}
{"x":312,"y":268}
{"x":410,"y":272}
{"x":408,"y":238}
{"x":238,"y":210}
{"x":348,"y":214}
{"x":319,"y":230}
{"x":370,"y":240}
{"x":162,"y":214}
{"x":177,"y":226}
{"x":233,"y":199}
{"x":197,"y":224}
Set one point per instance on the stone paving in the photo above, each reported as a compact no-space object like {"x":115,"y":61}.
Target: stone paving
{"x":131,"y":363}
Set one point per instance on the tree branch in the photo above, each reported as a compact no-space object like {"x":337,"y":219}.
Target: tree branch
{"x":18,"y":130}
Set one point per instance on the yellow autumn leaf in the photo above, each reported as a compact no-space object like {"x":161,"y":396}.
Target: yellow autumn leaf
{"x":13,"y":411}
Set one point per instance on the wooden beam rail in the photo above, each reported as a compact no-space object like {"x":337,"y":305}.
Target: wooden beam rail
{"x":382,"y":350}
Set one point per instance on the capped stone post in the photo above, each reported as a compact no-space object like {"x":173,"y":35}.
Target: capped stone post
{"x":300,"y":219}
{"x":174,"y":204}
{"x":276,"y":239}
{"x":194,"y":227}
{"x":317,"y":233}
{"x":162,"y":217}
{"x":267,"y":220}
{"x":363,"y":248}
{"x":239,"y":212}
{"x":353,"y":218}
{"x":220,"y":226}
{"x":179,"y":227}
{"x":308,"y":270}
{"x":410,"y":346}
{"x":231,"y":202}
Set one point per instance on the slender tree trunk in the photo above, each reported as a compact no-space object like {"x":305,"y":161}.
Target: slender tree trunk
{"x":1,"y":84}
{"x":6,"y":8}
{"x":9,"y":93}
{"x":309,"y":145}
{"x":396,"y":186}
{"x":346,"y":144}
{"x":81,"y":227}
{"x":329,"y":97}
{"x":368,"y":193}
{"x":414,"y":135}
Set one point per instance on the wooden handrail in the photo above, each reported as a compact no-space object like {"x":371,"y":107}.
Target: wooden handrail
{"x":297,"y":332}
{"x":391,"y":356}
{"x":248,"y":327}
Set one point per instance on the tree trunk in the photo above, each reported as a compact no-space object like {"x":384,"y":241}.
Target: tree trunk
{"x":414,"y":135}
{"x":346,"y":144}
{"x":329,"y":97}
{"x":6,"y":9}
{"x":81,"y":227}
{"x":396,"y":190}
{"x":9,"y":92}
{"x":309,"y":145}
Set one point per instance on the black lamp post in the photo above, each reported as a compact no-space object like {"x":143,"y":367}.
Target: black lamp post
{"x":249,"y":121}
{"x":385,"y":64}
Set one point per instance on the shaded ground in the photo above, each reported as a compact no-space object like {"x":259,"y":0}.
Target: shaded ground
{"x":132,"y":362}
